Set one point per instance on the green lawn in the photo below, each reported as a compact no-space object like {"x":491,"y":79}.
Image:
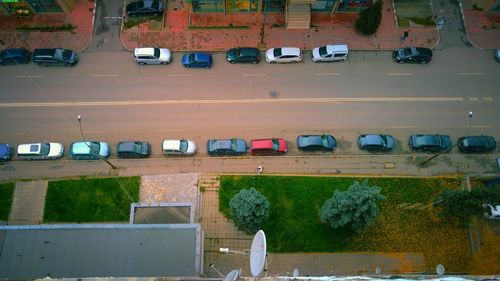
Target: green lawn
{"x":294,"y":224}
{"x":91,"y":200}
{"x":6,"y":193}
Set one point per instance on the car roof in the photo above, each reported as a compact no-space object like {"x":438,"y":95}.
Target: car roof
{"x":171,"y":144}
{"x":221,"y":144}
{"x":202,"y":56}
{"x":374,"y":139}
{"x":144,"y":51}
{"x":128,"y":145}
{"x":29,"y":148}
{"x":337,"y":48}
{"x":80,"y":148}
{"x":290,"y":51}
{"x":249,"y":51}
{"x":262,"y":144}
{"x":15,"y":52}
{"x":45,"y":52}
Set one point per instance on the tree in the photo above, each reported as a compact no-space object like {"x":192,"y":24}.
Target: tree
{"x":355,"y":208}
{"x":369,"y":19}
{"x":459,"y":206}
{"x":249,"y":209}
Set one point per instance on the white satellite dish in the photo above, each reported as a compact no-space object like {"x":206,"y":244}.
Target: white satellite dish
{"x":258,"y":253}
{"x":232,"y":275}
{"x":295,"y":272}
{"x":440,"y":269}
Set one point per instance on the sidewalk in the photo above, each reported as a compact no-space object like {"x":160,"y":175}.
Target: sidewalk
{"x":483,"y":29}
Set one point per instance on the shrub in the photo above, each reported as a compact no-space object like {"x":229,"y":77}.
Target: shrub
{"x":355,"y":208}
{"x":369,"y":19}
{"x":249,"y":209}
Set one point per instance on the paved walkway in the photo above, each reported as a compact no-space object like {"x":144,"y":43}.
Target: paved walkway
{"x":483,"y":30}
{"x":28,"y":203}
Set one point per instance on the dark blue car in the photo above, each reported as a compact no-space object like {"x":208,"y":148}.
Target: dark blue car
{"x":226,"y":147}
{"x":200,"y":60}
{"x":6,"y":151}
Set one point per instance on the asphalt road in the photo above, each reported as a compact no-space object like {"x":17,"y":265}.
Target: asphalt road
{"x":119,"y":100}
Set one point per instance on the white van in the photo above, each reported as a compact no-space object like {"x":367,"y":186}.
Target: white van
{"x":330,"y":53}
{"x":40,"y":151}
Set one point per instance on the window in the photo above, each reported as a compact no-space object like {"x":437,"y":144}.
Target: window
{"x":45,"y":6}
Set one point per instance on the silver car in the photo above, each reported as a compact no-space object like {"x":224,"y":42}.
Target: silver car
{"x":284,"y":55}
{"x":152,"y":55}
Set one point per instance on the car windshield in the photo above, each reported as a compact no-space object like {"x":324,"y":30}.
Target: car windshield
{"x":59,"y":54}
{"x":44,"y":148}
{"x":94,"y":148}
{"x":322,"y":51}
{"x":276,"y":144}
{"x":183,"y":146}
{"x":277,"y":52}
{"x":191,"y":58}
{"x":157,"y":52}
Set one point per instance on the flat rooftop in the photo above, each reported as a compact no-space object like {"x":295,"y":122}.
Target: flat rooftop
{"x":100,"y":250}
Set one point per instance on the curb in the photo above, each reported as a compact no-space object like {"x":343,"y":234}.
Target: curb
{"x":462,"y":14}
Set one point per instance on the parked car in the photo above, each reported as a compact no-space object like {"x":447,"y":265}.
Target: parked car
{"x":178,"y":147}
{"x":55,"y":56}
{"x":432,"y":143}
{"x":6,"y":151}
{"x":15,"y":56}
{"x":199,"y":60}
{"x":316,"y":143}
{"x":491,"y":212}
{"x":89,"y":150}
{"x":40,"y":151}
{"x":477,"y":144}
{"x":133,"y":149}
{"x":145,"y":8}
{"x":330,"y":53}
{"x":284,"y":55}
{"x":373,"y":142}
{"x":243,"y":55}
{"x":270,"y":146}
{"x":152,"y":55}
{"x":226,"y":147}
{"x":412,"y":55}
{"x":496,"y":55}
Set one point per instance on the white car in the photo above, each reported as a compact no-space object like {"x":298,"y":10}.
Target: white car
{"x":40,"y":151}
{"x":284,"y":55}
{"x":491,"y":212}
{"x":330,"y":53}
{"x":152,"y":55}
{"x":178,"y":147}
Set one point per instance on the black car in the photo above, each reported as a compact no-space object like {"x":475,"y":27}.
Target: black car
{"x":432,"y":143}
{"x":412,"y":55}
{"x":226,"y":147}
{"x":133,"y":149}
{"x":145,"y":8}
{"x":376,"y":142}
{"x":55,"y":56}
{"x":316,"y":143}
{"x":477,"y":144}
{"x":6,"y":151}
{"x":243,"y":55}
{"x":15,"y":56}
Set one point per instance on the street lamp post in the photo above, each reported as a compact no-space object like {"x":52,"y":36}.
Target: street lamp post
{"x":423,"y":163}
{"x":85,"y":142}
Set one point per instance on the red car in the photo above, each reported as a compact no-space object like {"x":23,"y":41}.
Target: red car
{"x":268,"y":146}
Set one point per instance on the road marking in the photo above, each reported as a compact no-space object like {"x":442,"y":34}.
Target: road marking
{"x":326,"y":74}
{"x":482,"y":126}
{"x":180,"y":75}
{"x":398,"y":74}
{"x":105,"y":75}
{"x":470,"y":73}
{"x":242,"y":101}
{"x":402,"y":127}
{"x":113,"y":17}
{"x":29,"y":76}
{"x":255,"y":74}
{"x":488,"y":98}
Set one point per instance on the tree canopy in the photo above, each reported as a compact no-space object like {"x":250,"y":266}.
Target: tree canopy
{"x":354,"y":208}
{"x":249,"y":209}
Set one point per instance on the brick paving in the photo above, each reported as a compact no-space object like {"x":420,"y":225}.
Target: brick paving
{"x":483,"y":29}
